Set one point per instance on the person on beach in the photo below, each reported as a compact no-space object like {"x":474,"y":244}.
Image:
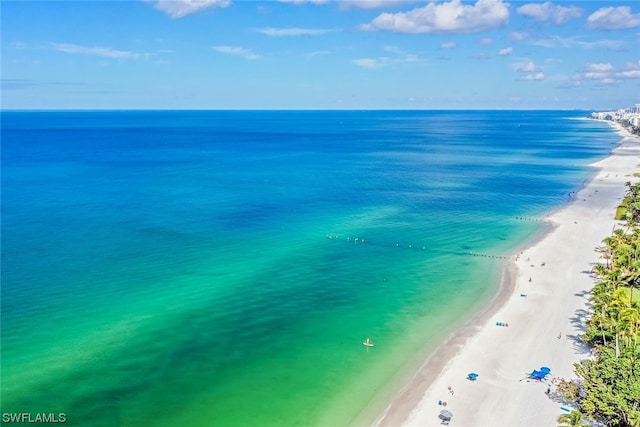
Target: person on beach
{"x":559,"y":335}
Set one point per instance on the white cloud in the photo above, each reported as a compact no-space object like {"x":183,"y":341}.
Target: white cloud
{"x":317,"y":53}
{"x":294,"y":31}
{"x":448,"y":17}
{"x":180,"y":8}
{"x":630,"y":74}
{"x":105,"y":52}
{"x":633,"y":65}
{"x":400,"y":57}
{"x":597,"y":71}
{"x":304,"y":1}
{"x":593,"y":75}
{"x":369,"y":4}
{"x":448,"y":45}
{"x":538,"y":75}
{"x":505,"y":51}
{"x":554,"y":42}
{"x":598,"y":67}
{"x":371,"y":62}
{"x":548,"y":12}
{"x":518,"y":36}
{"x":605,"y":73}
{"x":486,"y":41}
{"x":526,"y":66}
{"x":613,"y":18}
{"x":528,"y":70}
{"x":632,"y":71}
{"x":238,"y":51}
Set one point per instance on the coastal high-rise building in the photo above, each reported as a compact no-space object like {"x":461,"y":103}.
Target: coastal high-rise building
{"x":625,"y":116}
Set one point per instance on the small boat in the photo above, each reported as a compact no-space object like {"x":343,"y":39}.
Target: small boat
{"x":368,"y":343}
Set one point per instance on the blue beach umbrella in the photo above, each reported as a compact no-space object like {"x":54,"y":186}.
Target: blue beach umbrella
{"x":472,"y":376}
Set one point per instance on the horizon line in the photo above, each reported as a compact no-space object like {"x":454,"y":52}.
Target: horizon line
{"x":297,"y":109}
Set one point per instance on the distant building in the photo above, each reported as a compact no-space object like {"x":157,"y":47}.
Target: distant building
{"x":629,"y":117}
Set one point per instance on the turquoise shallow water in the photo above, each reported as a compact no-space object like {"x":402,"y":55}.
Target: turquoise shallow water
{"x":223,"y":268}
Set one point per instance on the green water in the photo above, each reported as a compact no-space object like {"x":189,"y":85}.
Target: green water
{"x":154,"y":276}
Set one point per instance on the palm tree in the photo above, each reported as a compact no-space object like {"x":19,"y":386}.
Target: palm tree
{"x":627,"y":304}
{"x":605,"y":253}
{"x":615,"y":278}
{"x":572,"y":419}
{"x":601,"y":319}
{"x":631,"y":318}
{"x":618,"y":326}
{"x":601,"y":298}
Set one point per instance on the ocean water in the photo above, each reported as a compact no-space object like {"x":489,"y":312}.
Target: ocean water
{"x":222,"y":268}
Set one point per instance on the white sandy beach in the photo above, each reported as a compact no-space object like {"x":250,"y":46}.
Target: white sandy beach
{"x":537,"y":310}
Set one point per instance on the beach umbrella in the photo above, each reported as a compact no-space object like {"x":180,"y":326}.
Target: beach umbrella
{"x":445,"y":415}
{"x":472,"y":376}
{"x":545,"y":369}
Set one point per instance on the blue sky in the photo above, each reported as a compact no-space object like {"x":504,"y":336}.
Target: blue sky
{"x":297,"y":54}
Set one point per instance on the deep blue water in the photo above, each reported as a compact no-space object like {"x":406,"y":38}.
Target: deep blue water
{"x":189,"y":266}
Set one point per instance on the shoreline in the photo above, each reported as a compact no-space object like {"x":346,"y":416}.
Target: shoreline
{"x":406,"y":399}
{"x":502,"y":395}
